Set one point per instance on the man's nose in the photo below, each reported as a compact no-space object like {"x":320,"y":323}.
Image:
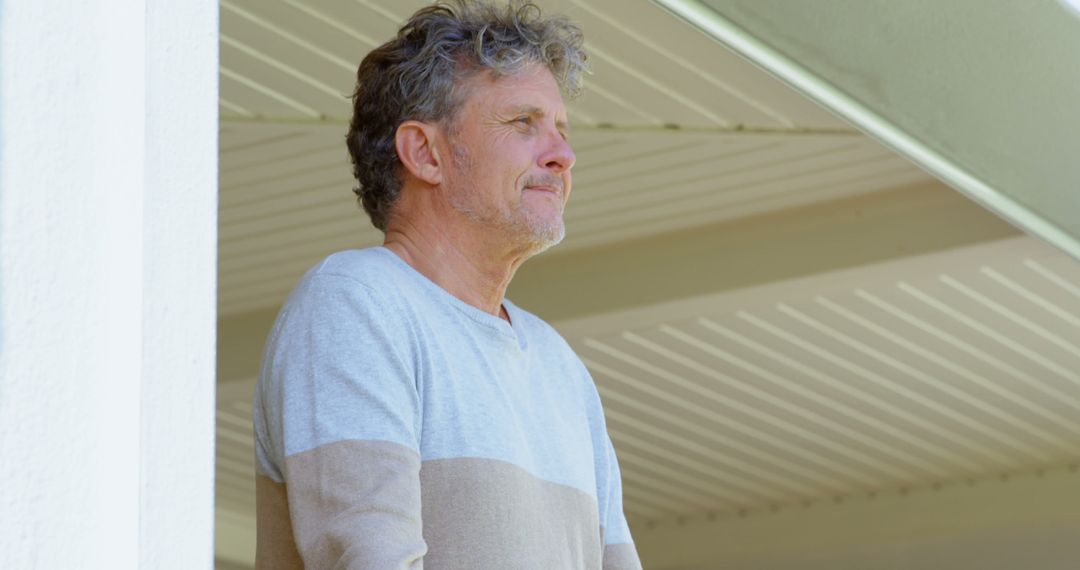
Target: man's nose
{"x":559,"y":157}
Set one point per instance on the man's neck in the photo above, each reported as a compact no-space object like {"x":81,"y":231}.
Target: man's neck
{"x":466,"y":265}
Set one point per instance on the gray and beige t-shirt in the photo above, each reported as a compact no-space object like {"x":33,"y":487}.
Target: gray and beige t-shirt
{"x":397,"y":426}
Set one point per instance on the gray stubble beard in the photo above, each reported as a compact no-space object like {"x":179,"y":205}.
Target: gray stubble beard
{"x":537,"y":237}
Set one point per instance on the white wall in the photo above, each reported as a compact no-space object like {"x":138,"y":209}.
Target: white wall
{"x":108,"y":157}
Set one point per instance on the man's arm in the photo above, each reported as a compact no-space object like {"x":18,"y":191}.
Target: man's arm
{"x":339,"y":411}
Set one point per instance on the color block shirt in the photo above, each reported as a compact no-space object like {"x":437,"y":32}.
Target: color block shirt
{"x":397,"y":426}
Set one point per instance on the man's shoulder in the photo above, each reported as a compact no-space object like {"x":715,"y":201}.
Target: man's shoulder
{"x":367,"y":266}
{"x":374,"y":271}
{"x":365,"y":279}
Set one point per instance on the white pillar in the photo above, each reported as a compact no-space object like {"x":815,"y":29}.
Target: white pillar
{"x":108,"y":193}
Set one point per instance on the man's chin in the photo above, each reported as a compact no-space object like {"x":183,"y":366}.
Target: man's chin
{"x":548,"y":237}
{"x":536,"y":233}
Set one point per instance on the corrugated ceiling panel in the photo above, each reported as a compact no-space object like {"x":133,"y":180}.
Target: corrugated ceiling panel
{"x":663,"y":62}
{"x":928,"y":379}
{"x":297,"y":59}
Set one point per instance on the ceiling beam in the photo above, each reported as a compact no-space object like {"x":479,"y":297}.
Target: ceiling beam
{"x":744,"y":253}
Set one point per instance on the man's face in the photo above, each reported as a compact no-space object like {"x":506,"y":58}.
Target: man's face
{"x":509,"y":160}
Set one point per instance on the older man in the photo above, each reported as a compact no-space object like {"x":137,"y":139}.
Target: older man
{"x":407,"y":414}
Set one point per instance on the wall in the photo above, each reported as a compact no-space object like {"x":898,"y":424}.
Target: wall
{"x":1025,"y":521}
{"x":108,"y":158}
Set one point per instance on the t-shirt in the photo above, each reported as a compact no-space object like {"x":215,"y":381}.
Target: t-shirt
{"x":397,"y":426}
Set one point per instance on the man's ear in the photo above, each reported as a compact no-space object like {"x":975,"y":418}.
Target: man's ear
{"x":415,"y":143}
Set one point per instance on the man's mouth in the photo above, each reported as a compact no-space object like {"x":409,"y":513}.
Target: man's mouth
{"x":551,"y":189}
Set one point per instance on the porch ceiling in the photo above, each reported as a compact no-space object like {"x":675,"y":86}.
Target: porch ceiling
{"x":775,"y":308}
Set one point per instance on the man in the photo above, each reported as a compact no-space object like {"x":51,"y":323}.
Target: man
{"x":407,"y":415}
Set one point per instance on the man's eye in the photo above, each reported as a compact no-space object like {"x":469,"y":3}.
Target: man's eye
{"x":523,"y":120}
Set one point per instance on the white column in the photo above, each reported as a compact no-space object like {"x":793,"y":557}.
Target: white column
{"x":108,"y":195}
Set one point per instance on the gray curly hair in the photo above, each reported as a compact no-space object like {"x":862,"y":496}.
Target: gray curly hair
{"x":415,"y":77}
